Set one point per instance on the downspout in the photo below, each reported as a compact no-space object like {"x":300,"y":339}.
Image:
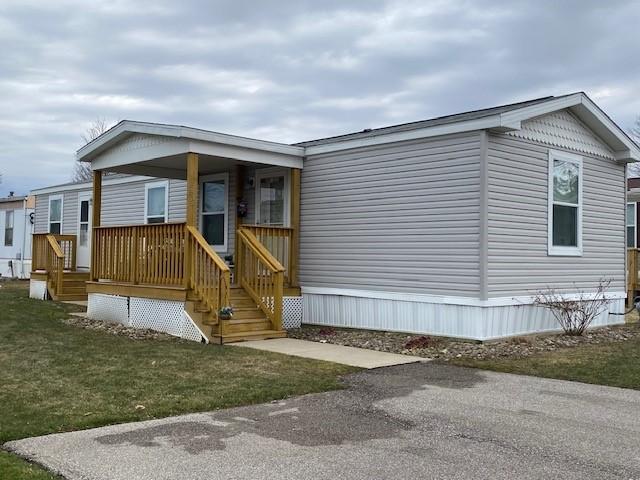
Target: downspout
{"x":24,"y":236}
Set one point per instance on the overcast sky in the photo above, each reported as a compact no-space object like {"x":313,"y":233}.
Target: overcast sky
{"x":292,"y":71}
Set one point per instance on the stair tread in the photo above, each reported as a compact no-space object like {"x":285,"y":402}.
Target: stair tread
{"x":253,"y":333}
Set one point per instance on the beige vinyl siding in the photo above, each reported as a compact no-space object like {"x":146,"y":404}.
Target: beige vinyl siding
{"x":70,"y":213}
{"x":41,"y":214}
{"x":401,"y":217}
{"x":518,"y":263}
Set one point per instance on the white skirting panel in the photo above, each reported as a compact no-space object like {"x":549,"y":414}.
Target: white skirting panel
{"x":159,"y":315}
{"x":462,"y":321}
{"x":291,"y":312}
{"x":38,"y":289}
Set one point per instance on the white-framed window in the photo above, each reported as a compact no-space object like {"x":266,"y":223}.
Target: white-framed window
{"x":272,"y":197}
{"x":214,"y":210}
{"x":565,"y":204}
{"x":156,"y":202}
{"x":55,"y":214}
{"x":8,"y":228}
{"x":631,"y":224}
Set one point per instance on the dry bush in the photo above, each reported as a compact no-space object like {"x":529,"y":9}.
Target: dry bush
{"x":575,"y":312}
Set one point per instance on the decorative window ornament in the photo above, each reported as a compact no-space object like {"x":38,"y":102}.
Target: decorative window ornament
{"x":243,"y":208}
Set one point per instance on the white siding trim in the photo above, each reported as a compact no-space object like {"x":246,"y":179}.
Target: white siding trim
{"x":424,"y":298}
{"x":559,"y":250}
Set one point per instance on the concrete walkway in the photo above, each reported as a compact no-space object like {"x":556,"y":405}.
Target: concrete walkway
{"x":356,"y":357}
{"x":416,"y":421}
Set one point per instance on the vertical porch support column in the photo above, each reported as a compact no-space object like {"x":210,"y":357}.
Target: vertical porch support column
{"x":237,"y":254}
{"x":294,"y":248}
{"x":192,"y":212}
{"x":96,"y":211}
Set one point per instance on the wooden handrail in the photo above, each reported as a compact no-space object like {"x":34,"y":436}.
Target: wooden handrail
{"x":207,"y":248}
{"x":206,"y":273}
{"x":261,"y":275}
{"x":278,"y":242}
{"x":55,"y":265}
{"x":262,"y":251}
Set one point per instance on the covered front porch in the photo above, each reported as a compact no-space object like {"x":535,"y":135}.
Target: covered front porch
{"x":232,"y":259}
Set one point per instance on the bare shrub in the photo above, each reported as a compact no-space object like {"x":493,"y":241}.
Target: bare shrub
{"x":575,"y":312}
{"x":420,"y":342}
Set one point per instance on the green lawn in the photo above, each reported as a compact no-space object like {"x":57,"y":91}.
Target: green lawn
{"x":57,"y":378}
{"x":613,"y":364}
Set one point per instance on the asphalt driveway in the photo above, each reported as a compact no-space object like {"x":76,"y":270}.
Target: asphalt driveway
{"x":409,"y":421}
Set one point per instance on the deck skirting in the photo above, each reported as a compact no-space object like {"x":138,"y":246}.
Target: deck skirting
{"x":474,"y":322}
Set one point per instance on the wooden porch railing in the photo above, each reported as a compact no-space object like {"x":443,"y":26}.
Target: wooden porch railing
{"x":41,"y":245}
{"x":55,"y":261}
{"x":206,"y":273}
{"x":632,"y":274}
{"x":54,"y":254}
{"x":139,"y":254}
{"x":261,"y":275}
{"x":278,"y":240}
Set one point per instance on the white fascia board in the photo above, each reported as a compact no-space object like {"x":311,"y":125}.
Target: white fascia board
{"x":109,"y":160}
{"x":447,"y":300}
{"x":128,"y":127}
{"x":89,"y":185}
{"x":245,"y":154}
{"x":490,"y":122}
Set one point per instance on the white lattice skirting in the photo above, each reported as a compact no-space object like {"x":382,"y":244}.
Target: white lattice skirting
{"x":38,"y":289}
{"x":291,"y":312}
{"x":159,"y":315}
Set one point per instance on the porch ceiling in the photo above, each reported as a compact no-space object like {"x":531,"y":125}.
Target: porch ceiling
{"x":175,"y":166}
{"x":160,"y":150}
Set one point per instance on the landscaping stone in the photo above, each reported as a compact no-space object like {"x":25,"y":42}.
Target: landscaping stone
{"x":446,"y":348}
{"x":118,"y":329}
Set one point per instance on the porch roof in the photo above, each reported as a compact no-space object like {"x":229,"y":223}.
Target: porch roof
{"x":160,"y":150}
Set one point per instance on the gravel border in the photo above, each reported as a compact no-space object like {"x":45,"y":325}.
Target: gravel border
{"x":446,"y":348}
{"x":118,"y":329}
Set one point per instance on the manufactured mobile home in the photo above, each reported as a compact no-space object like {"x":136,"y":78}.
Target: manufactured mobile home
{"x":16,"y":225}
{"x":448,"y":226}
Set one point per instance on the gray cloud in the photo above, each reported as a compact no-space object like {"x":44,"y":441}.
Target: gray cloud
{"x":291,"y":71}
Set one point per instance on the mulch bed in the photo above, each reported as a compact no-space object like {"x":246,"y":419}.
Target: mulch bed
{"x":118,"y":329}
{"x":447,"y":349}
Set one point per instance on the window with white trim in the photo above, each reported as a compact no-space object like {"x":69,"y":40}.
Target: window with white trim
{"x":55,"y":214}
{"x":565,"y":204}
{"x":631,"y":224}
{"x":156,"y":202}
{"x":214,"y":206}
{"x":8,"y":228}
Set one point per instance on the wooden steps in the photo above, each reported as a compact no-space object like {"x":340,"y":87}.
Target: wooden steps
{"x":74,"y":287}
{"x":247,"y":323}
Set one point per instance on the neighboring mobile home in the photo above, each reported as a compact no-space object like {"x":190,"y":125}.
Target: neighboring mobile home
{"x":447,"y":226}
{"x":16,"y":226}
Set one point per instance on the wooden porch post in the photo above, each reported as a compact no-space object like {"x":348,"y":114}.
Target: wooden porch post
{"x":192,"y":189}
{"x":96,"y":211}
{"x":295,"y":225}
{"x":237,"y":254}
{"x":192,"y":212}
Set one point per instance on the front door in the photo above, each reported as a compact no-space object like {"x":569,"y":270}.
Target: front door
{"x":272,"y":197}
{"x":83,"y":251}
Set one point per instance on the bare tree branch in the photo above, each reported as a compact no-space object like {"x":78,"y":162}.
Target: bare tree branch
{"x":82,"y":170}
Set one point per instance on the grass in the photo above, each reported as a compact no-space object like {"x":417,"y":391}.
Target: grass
{"x":57,"y":378}
{"x":612,"y":364}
